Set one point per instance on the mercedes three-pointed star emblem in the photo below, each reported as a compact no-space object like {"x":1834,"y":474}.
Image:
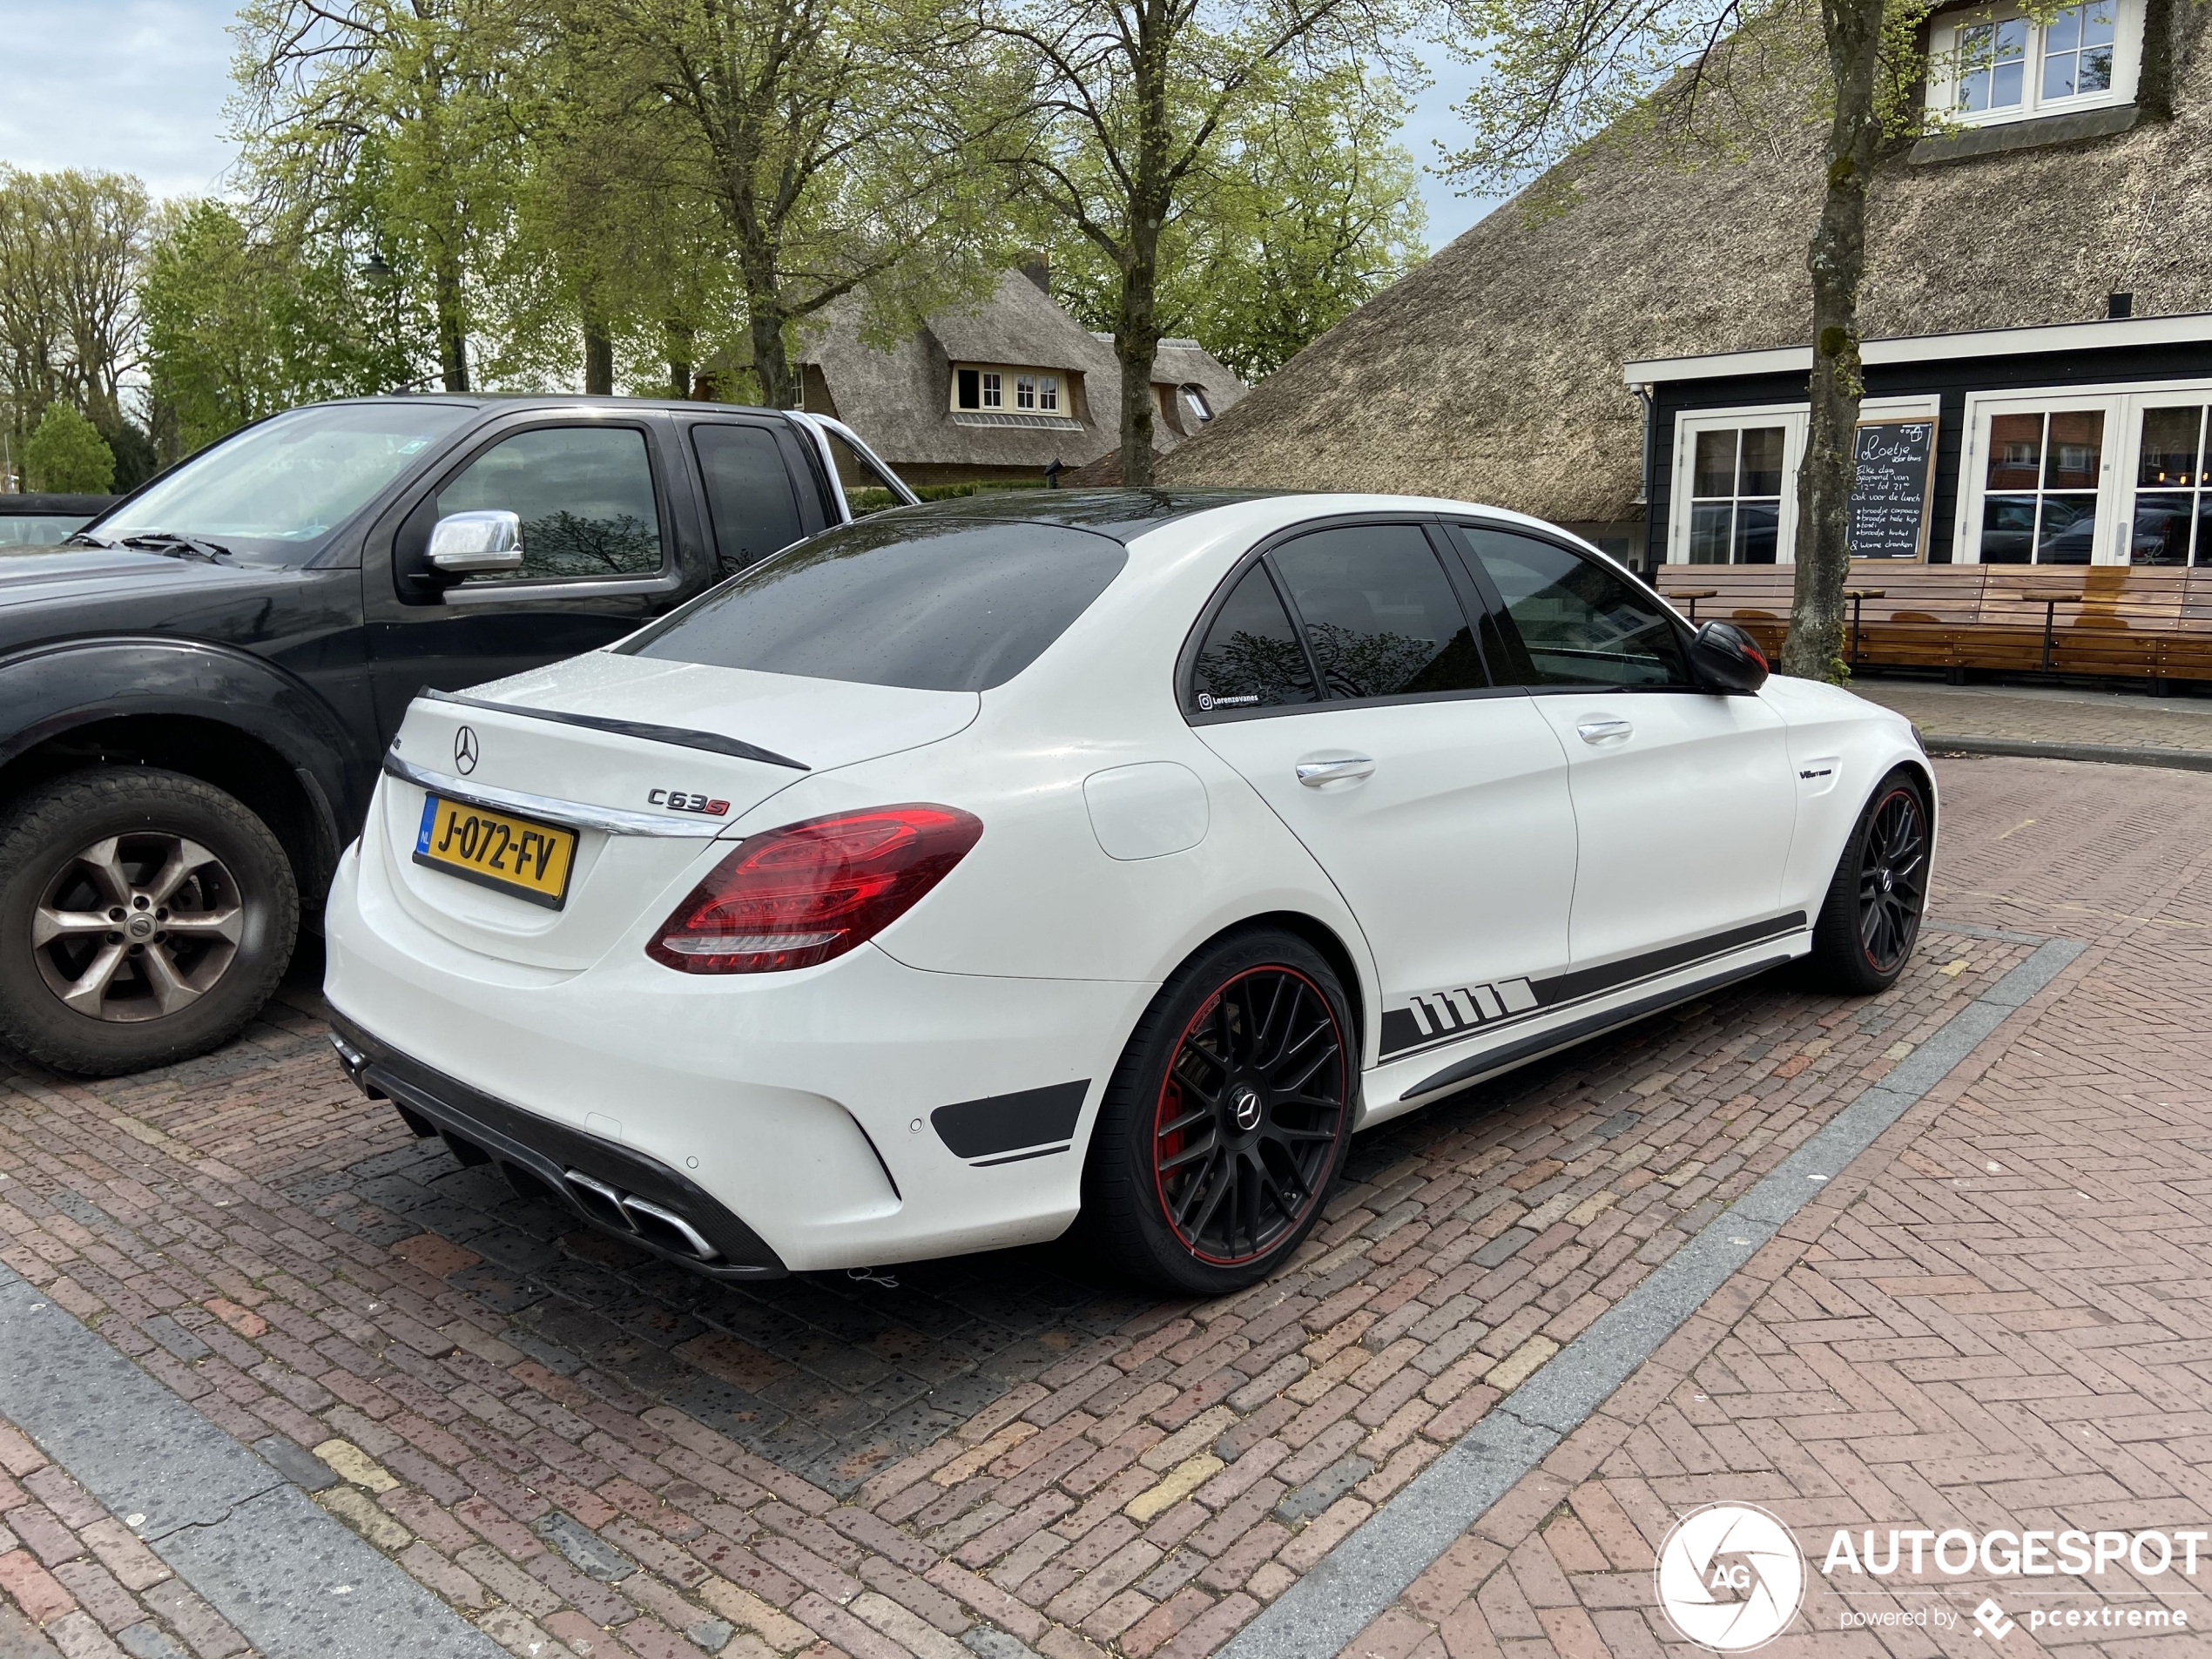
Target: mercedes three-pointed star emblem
{"x":464,"y":749}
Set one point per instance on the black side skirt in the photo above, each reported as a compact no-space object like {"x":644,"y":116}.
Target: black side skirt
{"x":1565,"y":1036}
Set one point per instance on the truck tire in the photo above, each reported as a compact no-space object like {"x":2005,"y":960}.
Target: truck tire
{"x":144,"y":917}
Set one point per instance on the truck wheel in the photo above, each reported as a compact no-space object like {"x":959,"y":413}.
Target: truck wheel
{"x":144,"y":917}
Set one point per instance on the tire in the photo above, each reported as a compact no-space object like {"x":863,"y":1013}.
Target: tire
{"x":1872,"y":917}
{"x":204,"y":906}
{"x":1177,"y":1122}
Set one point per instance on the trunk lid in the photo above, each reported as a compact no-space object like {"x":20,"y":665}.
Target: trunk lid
{"x":635,"y":756}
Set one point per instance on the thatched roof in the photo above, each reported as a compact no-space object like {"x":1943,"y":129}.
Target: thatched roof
{"x":900,"y":400}
{"x":1493,"y":372}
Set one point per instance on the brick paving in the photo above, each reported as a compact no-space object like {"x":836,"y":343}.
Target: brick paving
{"x":2036,"y":714}
{"x":67,"y":1564}
{"x":583,"y":1451}
{"x":2000,"y":1319}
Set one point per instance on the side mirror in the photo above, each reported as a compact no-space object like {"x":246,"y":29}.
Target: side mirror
{"x":1726,"y":659}
{"x":483,"y":543}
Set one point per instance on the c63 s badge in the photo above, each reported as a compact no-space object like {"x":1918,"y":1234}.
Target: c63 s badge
{"x":677,"y":801}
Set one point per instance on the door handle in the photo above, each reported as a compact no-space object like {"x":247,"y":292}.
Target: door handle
{"x":1603,"y":728}
{"x":1318,"y":770}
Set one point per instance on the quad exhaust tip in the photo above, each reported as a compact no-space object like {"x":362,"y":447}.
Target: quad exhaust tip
{"x":649,"y":1222}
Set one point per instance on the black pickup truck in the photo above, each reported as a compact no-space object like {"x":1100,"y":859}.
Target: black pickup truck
{"x":196,"y":689}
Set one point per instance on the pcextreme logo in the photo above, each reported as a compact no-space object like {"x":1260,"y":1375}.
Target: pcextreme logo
{"x":1729,"y":1578}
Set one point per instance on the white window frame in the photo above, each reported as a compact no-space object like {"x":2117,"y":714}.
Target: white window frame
{"x":1048,"y":394}
{"x":2123,"y":405}
{"x":1943,"y":64}
{"x":1790,"y":417}
{"x":992,"y":390}
{"x":1793,"y":418}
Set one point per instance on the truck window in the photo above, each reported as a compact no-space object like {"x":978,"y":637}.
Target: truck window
{"x":748,"y":492}
{"x":585,"y":495}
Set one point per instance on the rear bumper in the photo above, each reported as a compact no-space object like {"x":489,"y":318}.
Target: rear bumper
{"x":845,"y":1116}
{"x":614,"y":1188}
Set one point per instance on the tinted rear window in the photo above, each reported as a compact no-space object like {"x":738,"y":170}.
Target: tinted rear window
{"x":959,"y":607}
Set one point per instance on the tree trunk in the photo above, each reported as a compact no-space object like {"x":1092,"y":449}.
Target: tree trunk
{"x":453,"y":326}
{"x":1837,"y":261}
{"x":1136,"y":340}
{"x":598,"y":362}
{"x":1137,"y":325}
{"x":771,"y":362}
{"x":682,"y":342}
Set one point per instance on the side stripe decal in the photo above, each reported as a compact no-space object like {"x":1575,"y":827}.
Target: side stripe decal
{"x":1430,"y":1018}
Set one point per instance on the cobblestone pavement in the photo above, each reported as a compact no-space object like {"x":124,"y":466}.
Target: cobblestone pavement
{"x":583,"y":1452}
{"x":2037,"y":714}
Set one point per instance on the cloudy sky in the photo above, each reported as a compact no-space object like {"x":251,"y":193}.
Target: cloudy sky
{"x":138,"y":85}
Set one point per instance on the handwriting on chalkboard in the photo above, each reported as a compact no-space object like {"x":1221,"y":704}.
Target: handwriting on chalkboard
{"x":1889,"y":498}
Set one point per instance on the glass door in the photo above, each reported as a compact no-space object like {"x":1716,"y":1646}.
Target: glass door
{"x":2169,"y":523}
{"x":2040,"y":504}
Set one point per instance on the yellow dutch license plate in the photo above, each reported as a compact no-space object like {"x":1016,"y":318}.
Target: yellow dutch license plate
{"x":517,"y":855}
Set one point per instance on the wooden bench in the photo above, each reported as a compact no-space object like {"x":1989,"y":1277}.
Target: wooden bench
{"x":2105,"y":620}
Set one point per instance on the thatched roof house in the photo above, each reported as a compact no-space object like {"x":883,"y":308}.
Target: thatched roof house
{"x":1495,"y":371}
{"x":1002,"y":391}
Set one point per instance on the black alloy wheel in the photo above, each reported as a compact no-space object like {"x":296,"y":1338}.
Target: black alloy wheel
{"x":1248,"y":1115}
{"x":144,"y":917}
{"x":1871,"y":919}
{"x":1892,"y":880}
{"x":1228,"y":1118}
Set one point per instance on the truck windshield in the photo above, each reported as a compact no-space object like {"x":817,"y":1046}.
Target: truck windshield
{"x":274,"y":492}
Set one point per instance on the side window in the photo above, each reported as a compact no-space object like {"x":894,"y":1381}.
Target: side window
{"x":1379,"y":612}
{"x":1581,"y":624}
{"x":865,"y":489}
{"x":748,"y":493}
{"x":1251,"y":659}
{"x":585,"y":495}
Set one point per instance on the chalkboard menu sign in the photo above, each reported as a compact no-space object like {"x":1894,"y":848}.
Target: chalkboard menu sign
{"x":1889,"y":501}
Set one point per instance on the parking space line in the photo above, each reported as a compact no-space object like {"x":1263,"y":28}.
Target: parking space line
{"x":1373,"y":1565}
{"x":293,"y":1578}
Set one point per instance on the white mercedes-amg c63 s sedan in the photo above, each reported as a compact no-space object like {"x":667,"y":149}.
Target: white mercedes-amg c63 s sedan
{"x":982,"y":867}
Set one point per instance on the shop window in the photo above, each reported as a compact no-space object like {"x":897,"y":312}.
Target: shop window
{"x":2172,"y":504}
{"x":2007,"y":63}
{"x":1736,"y":483}
{"x":2040,"y":504}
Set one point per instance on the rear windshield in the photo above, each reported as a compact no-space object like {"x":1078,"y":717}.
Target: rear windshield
{"x":936,"y":607}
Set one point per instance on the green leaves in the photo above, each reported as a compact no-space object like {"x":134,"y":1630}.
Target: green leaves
{"x":67,"y":455}
{"x":240,"y":326}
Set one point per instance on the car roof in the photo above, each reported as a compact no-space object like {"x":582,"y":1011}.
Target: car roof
{"x":1122,"y":514}
{"x":553,"y":400}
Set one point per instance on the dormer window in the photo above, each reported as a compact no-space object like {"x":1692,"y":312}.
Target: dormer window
{"x":2000,"y":64}
{"x":983,"y":390}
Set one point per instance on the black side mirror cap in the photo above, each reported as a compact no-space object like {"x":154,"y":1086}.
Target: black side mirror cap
{"x":1727,"y":659}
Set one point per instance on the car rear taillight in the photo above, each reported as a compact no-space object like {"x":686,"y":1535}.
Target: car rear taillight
{"x":799,"y":895}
